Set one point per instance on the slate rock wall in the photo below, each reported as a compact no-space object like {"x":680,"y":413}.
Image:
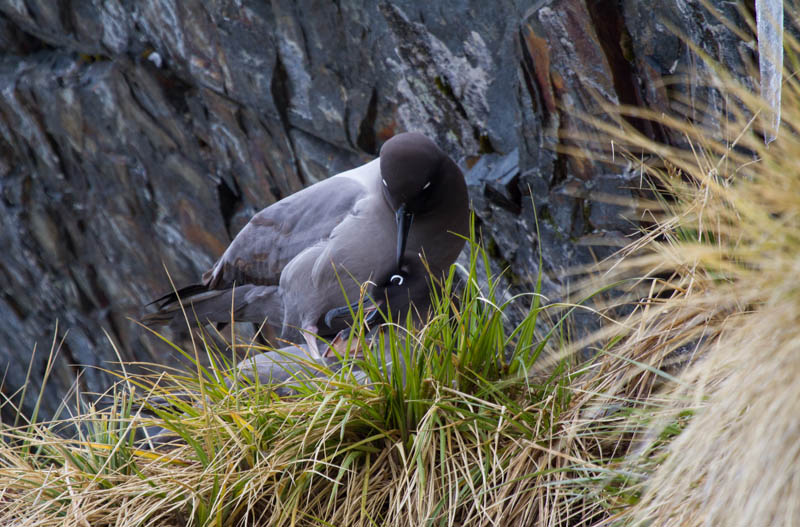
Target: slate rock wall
{"x":113,"y":167}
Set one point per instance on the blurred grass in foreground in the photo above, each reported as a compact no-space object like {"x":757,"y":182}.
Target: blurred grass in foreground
{"x":693,"y":399}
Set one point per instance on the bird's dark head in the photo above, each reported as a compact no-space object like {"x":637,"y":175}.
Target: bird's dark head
{"x":415,"y":172}
{"x":417,"y":178}
{"x":402,"y":289}
{"x":396,"y":292}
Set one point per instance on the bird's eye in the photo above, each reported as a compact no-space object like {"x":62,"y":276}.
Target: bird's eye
{"x":396,"y":279}
{"x":428,"y":184}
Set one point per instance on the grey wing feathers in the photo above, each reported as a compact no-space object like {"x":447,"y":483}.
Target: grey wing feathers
{"x":277,"y":234}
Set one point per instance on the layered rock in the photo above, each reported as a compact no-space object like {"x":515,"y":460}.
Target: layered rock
{"x":139,"y":136}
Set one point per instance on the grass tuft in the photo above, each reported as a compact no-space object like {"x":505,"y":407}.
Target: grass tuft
{"x":455,"y":432}
{"x":691,"y":403}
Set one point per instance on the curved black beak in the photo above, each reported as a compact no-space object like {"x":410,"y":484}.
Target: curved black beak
{"x":404,"y":219}
{"x":346,"y":312}
{"x":339,"y":312}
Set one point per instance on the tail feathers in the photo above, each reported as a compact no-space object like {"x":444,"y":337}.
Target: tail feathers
{"x":196,"y":301}
{"x":248,"y":303}
{"x":184,"y":293}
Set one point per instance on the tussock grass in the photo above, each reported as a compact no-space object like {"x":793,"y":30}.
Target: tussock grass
{"x":458,"y":434}
{"x":693,"y":399}
{"x":735,"y":283}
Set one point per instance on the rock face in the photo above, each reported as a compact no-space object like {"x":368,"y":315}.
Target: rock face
{"x":139,"y":135}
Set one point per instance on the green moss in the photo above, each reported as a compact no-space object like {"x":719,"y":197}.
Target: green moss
{"x":485,"y":144}
{"x":444,"y":87}
{"x":90,"y":59}
{"x":626,"y":45}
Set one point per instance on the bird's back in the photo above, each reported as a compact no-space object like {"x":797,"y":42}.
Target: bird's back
{"x":280,"y":232}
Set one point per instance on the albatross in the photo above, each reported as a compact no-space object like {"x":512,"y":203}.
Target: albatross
{"x":307,"y":255}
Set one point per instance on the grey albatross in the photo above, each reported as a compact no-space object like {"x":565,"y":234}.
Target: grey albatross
{"x":290,"y":264}
{"x":387,"y":299}
{"x":282,"y":369}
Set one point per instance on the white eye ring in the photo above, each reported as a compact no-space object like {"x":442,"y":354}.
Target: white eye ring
{"x":428,"y":184}
{"x":399,"y":279}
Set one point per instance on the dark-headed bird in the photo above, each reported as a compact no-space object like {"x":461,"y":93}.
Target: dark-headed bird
{"x":299,"y":259}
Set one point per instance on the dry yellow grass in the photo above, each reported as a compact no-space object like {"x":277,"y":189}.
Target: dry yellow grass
{"x":716,"y":440}
{"x":737,"y":270}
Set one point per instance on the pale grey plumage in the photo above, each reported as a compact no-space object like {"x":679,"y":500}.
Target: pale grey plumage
{"x":291,"y":261}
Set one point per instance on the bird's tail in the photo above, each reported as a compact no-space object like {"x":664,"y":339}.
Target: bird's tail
{"x":196,"y":300}
{"x":247,"y":304}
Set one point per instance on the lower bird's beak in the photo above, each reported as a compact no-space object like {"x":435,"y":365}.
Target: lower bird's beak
{"x":371,"y":307}
{"x":404,"y":219}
